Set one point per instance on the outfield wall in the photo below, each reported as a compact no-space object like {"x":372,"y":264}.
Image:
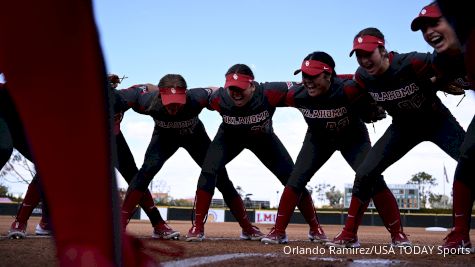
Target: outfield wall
{"x":268,"y":216}
{"x":325,"y":217}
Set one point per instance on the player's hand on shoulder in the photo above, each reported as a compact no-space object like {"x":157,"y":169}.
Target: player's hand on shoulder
{"x":213,"y":88}
{"x":379,"y":114}
{"x":375,"y":113}
{"x":151,"y":87}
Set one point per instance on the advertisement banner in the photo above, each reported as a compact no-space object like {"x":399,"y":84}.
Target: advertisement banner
{"x":163,"y":212}
{"x":263,"y":216}
{"x":215,"y":215}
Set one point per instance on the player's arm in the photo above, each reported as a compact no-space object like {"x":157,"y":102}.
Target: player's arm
{"x":131,"y":95}
{"x":214,"y":99}
{"x":450,"y":83}
{"x":362,"y":103}
{"x":421,"y":64}
{"x":276,"y":92}
{"x":201,"y":96}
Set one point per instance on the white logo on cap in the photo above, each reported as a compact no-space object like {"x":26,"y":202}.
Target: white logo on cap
{"x":423,"y":11}
{"x":173,"y":90}
{"x":360,"y":40}
{"x":235,"y":77}
{"x":307,"y":63}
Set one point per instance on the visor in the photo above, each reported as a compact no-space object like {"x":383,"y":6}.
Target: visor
{"x":366,"y":43}
{"x":429,"y":12}
{"x":313,"y":68}
{"x":172,"y":95}
{"x":241,"y":81}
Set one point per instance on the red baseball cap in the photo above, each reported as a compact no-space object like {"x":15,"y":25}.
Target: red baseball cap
{"x":313,"y":68}
{"x":173,"y":95}
{"x":429,"y":12}
{"x":241,"y":81}
{"x":366,"y":43}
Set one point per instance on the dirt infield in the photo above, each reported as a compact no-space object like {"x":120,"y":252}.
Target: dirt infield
{"x":223,"y":248}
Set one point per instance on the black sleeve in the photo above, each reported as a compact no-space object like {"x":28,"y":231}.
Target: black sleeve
{"x":120,"y":105}
{"x":362,"y":103}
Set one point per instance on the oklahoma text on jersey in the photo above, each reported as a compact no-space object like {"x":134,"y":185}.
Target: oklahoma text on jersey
{"x":395,"y":94}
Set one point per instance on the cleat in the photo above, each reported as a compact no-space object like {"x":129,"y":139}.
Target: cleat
{"x":457,"y":240}
{"x":253,"y":234}
{"x":43,"y":228}
{"x":318,"y":236}
{"x":163,"y":231}
{"x":344,"y":239}
{"x":400,"y":240}
{"x":195,"y":235}
{"x":275,"y":237}
{"x":17,"y":230}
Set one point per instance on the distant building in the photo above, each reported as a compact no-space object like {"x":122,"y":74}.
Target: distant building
{"x":407,"y":196}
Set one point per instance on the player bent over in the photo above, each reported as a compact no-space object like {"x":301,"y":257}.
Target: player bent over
{"x":247,"y":108}
{"x":330,"y":106}
{"x":175,"y":110}
{"x":402,"y":85}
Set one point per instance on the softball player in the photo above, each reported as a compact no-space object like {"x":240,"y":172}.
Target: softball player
{"x":127,"y":167}
{"x":451,"y":73}
{"x":12,"y":135}
{"x":71,"y":146}
{"x":247,"y":108}
{"x":401,"y":84}
{"x":331,"y":107}
{"x":175,"y":110}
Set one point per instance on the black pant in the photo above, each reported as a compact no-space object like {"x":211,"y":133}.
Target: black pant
{"x":12,"y":134}
{"x":399,"y":138}
{"x":465,"y":171}
{"x":317,"y":149}
{"x":125,"y":160}
{"x":6,"y":142}
{"x":165,"y":143}
{"x":227,"y":145}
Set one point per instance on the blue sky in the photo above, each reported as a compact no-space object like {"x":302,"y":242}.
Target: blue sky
{"x":200,"y":40}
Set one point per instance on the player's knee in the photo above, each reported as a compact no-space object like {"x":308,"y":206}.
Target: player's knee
{"x":464,"y":172}
{"x":361,"y":189}
{"x":379,"y":185}
{"x":225,"y":185}
{"x":296,"y":185}
{"x":207,"y":181}
{"x":138,"y":184}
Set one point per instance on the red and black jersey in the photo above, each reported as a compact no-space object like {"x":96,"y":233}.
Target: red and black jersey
{"x":450,"y":70}
{"x":405,"y":89}
{"x":256,"y":115}
{"x":137,"y":97}
{"x":330,"y":113}
{"x":144,"y":102}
